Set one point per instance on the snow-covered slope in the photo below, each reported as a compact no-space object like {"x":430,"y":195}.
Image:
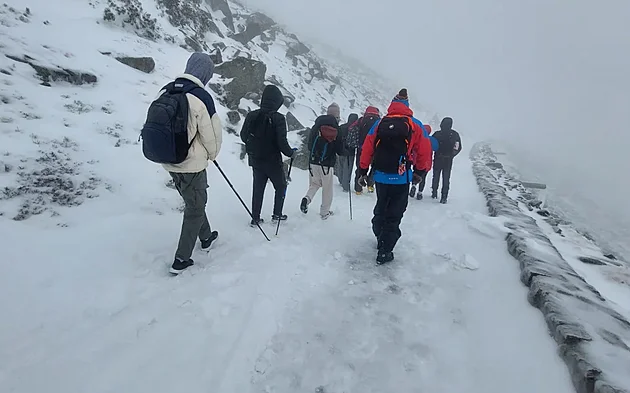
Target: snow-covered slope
{"x":88,"y":228}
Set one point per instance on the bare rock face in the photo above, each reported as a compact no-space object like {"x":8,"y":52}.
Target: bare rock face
{"x":248,"y":77}
{"x":234,"y":117}
{"x":144,"y":64}
{"x":293,"y":124}
{"x":49,"y":74}
{"x":256,"y":24}
{"x":224,"y":7}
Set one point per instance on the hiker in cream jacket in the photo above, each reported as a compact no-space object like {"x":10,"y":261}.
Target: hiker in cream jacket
{"x":190,"y":177}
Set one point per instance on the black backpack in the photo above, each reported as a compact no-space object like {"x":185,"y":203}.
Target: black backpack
{"x":393,"y":136}
{"x":259,"y":144}
{"x":165,"y":132}
{"x":321,"y":149}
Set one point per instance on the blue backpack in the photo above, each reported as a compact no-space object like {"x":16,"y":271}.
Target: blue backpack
{"x":165,"y":132}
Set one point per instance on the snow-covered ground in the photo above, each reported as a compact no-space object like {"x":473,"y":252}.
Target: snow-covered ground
{"x":89,"y":228}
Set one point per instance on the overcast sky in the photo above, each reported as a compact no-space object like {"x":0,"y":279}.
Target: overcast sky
{"x":550,"y":76}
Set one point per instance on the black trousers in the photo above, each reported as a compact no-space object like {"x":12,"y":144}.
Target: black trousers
{"x":442,"y":166}
{"x":264,"y":172}
{"x":424,"y":182}
{"x":391,"y":203}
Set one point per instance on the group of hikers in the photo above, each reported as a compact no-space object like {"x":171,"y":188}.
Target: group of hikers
{"x":393,"y":154}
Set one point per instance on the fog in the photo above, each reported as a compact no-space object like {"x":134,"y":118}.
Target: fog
{"x":549,"y":78}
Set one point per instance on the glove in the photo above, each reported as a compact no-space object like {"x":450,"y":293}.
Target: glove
{"x":418,"y":177}
{"x":362,"y":181}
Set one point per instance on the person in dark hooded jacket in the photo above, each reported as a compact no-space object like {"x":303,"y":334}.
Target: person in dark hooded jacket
{"x":264,"y":133}
{"x":450,"y":145}
{"x":344,"y":166}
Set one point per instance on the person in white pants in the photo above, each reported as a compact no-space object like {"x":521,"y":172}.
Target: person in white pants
{"x":324,"y":144}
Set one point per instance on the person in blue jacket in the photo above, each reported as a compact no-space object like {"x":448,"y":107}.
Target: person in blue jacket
{"x":435,"y":145}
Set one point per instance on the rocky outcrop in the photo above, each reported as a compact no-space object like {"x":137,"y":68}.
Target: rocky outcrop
{"x":234,"y":117}
{"x":144,"y":64}
{"x":302,"y":155}
{"x":296,"y":49}
{"x":293,"y":124}
{"x":248,"y":77}
{"x":590,"y":334}
{"x":49,"y":74}
{"x":255,"y":25}
{"x":289,"y":98}
{"x":224,"y":7}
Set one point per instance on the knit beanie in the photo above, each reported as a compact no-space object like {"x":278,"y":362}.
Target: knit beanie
{"x":334,"y":110}
{"x":402,"y":95}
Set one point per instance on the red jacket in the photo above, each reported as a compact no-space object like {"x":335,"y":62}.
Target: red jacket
{"x":420,"y":152}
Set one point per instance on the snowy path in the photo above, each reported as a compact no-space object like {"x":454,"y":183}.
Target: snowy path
{"x":307,"y":312}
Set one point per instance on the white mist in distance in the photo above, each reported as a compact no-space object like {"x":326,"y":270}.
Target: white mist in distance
{"x":550,"y":80}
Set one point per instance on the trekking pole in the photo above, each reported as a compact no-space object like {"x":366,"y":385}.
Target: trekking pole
{"x":285,"y":191}
{"x":240,"y":199}
{"x":349,"y":188}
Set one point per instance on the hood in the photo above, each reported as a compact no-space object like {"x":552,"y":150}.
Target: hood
{"x":427,"y":128}
{"x":352,"y":118}
{"x":272,"y":99}
{"x":446,"y":123}
{"x":200,"y":66}
{"x":372,"y":110}
{"x":399,"y":108}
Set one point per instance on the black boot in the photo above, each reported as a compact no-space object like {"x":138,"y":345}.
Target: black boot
{"x":255,"y":222}
{"x":205,"y":244}
{"x":434,"y":195}
{"x":419,"y":196}
{"x":384,"y":257}
{"x":282,"y":217}
{"x":304,"y":205}
{"x":443,"y":200}
{"x":412,"y":191}
{"x":179,"y":266}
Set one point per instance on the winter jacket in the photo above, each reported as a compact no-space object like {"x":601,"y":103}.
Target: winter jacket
{"x":365,"y":123}
{"x":336,"y":145}
{"x":344,"y":128}
{"x":204,"y":130}
{"x":427,"y":134}
{"x":450,"y":143}
{"x":270,"y":129}
{"x":419,"y":151}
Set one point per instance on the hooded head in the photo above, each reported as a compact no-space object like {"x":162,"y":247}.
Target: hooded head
{"x":402,"y":97}
{"x":446,"y":124}
{"x":333,"y":110}
{"x":272,"y":99}
{"x":352,"y":118}
{"x":200,"y":66}
{"x":372,"y":110}
{"x":427,"y":128}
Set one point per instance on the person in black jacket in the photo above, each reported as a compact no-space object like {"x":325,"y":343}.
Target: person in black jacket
{"x":324,"y":144}
{"x":450,"y":145}
{"x":365,"y":123}
{"x":343,"y":169}
{"x":264,"y":133}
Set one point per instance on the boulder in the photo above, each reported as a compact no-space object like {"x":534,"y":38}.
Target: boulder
{"x":248,"y":77}
{"x":288,"y":97}
{"x":217,"y":57}
{"x":144,"y":64}
{"x":234,"y":117}
{"x":293,"y":124}
{"x":296,"y":49}
{"x":56,"y":74}
{"x":302,"y":155}
{"x":224,"y":7}
{"x":255,"y":25}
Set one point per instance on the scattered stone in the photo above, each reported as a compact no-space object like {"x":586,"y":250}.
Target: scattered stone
{"x":255,"y":25}
{"x":293,"y":124}
{"x":352,"y":103}
{"x":144,"y":64}
{"x":544,"y":213}
{"x":592,"y":261}
{"x":234,"y":117}
{"x":296,"y":49}
{"x":495,"y":165}
{"x":331,"y":89}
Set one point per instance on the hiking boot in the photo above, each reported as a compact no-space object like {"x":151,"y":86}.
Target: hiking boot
{"x":384,"y":257}
{"x":434,"y":195}
{"x":304,"y":205}
{"x":255,"y":222}
{"x":443,"y":200}
{"x":327,"y":215}
{"x":419,"y":196}
{"x":179,"y":266}
{"x":206,"y":244}
{"x":359,"y":192}
{"x":370,"y":189}
{"x":412,"y":191}
{"x":282,"y":217}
